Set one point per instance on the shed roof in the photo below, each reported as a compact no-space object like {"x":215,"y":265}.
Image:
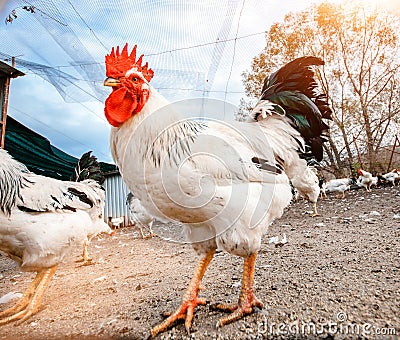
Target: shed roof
{"x":37,"y":153}
{"x":10,"y":71}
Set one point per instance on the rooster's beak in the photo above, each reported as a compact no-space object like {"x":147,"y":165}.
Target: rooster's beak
{"x":111,"y":82}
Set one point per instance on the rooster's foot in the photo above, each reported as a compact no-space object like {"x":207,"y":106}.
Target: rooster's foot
{"x":247,"y":298}
{"x":190,"y":299}
{"x":184,"y":312}
{"x":245,"y":307}
{"x":315,"y":213}
{"x":22,"y":315}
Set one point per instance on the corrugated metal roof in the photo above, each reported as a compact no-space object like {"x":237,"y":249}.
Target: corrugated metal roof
{"x":10,"y":71}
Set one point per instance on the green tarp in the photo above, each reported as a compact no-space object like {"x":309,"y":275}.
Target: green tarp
{"x":37,"y":153}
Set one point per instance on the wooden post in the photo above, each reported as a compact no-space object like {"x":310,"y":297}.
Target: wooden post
{"x":396,"y":140}
{"x":4,"y":111}
{"x":358,"y":152}
{"x":3,"y":120}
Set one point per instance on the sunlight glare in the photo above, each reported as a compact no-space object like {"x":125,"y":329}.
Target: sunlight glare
{"x":392,"y":6}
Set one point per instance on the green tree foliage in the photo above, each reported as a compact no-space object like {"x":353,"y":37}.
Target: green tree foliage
{"x":360,"y":47}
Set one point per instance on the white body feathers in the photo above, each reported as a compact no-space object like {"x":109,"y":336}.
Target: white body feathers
{"x":365,"y":179}
{"x":307,"y":184}
{"x":202,"y":173}
{"x":339,"y":185}
{"x":392,"y":176}
{"x":44,"y":216}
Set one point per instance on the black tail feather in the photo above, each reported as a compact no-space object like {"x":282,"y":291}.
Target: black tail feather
{"x":88,"y":168}
{"x":294,"y":89}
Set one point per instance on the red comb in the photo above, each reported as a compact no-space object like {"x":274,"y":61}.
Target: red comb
{"x":117,"y":64}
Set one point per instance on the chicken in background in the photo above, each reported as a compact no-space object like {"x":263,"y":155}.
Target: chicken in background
{"x":391,"y":177}
{"x":89,"y":168}
{"x":139,"y":216}
{"x":323,"y":187}
{"x":365,"y":179}
{"x":163,"y":156}
{"x":339,"y":185}
{"x":97,"y":229}
{"x":116,"y":222}
{"x":374,"y":182}
{"x":307,"y":186}
{"x":343,"y":185}
{"x":41,"y":218}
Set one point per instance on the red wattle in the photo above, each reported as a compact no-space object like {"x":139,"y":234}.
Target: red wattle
{"x":119,"y":106}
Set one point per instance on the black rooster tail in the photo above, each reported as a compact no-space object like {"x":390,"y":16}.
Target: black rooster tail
{"x":292,"y":91}
{"x":88,"y":168}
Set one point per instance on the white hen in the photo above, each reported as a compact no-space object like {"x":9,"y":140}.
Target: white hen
{"x":40,"y":219}
{"x":307,"y":185}
{"x":392,"y":177}
{"x":339,"y":185}
{"x":139,"y":216}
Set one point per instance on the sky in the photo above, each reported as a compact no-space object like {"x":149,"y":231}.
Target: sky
{"x":61,"y":48}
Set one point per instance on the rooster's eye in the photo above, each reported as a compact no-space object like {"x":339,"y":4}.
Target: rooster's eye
{"x":135,"y":79}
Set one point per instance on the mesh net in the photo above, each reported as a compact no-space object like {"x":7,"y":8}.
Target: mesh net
{"x":196,"y":48}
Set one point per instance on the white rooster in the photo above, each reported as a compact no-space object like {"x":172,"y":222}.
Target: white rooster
{"x":365,"y":179}
{"x":225,"y":182}
{"x":139,"y":216}
{"x":40,"y":219}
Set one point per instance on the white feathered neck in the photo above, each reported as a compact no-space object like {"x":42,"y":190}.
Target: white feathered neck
{"x":157,"y":130}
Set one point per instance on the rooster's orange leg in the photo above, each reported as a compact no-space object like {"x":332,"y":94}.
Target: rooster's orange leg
{"x":247,"y":298}
{"x":29,"y":304}
{"x":190,"y":299}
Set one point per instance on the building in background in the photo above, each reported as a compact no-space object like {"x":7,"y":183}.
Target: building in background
{"x":116,"y":193}
{"x":41,"y":157}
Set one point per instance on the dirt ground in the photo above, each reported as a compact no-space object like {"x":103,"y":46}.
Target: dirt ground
{"x":338,"y":276}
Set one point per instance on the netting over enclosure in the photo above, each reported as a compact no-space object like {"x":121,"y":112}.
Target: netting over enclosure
{"x":196,"y":48}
